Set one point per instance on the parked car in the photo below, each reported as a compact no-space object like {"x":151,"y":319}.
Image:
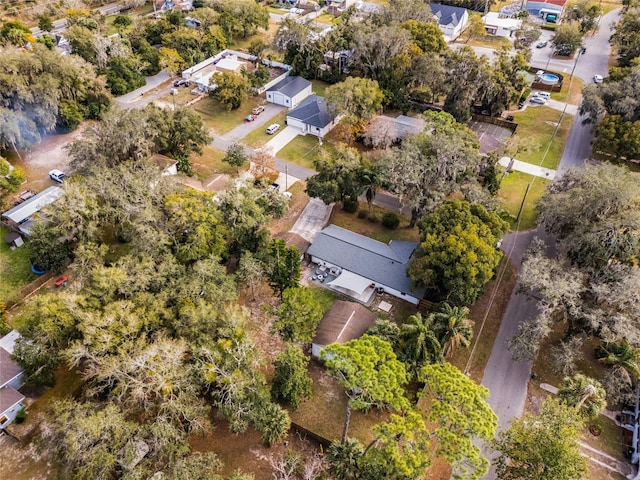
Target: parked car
{"x":180,"y":83}
{"x":583,"y":50}
{"x":56,"y":176}
{"x":273,"y":128}
{"x":541,"y":44}
{"x":597,"y":79}
{"x":257,"y":110}
{"x":545,"y":95}
{"x":510,"y":118}
{"x":538,"y":100}
{"x":249,"y":118}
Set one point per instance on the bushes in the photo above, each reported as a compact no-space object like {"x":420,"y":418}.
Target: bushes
{"x":350,"y":205}
{"x":391,"y":220}
{"x":374,"y":217}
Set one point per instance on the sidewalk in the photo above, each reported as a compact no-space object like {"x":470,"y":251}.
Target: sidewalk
{"x":529,"y":168}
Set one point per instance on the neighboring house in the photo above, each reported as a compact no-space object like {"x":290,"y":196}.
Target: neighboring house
{"x":20,"y":215}
{"x":338,"y":7}
{"x":500,"y":26}
{"x":343,"y":322}
{"x":548,"y":10}
{"x":384,"y":131}
{"x":181,"y":5}
{"x":168,"y":165}
{"x":289,"y":92}
{"x":452,"y":20}
{"x":312,"y":117}
{"x":11,"y":379}
{"x":364,"y":264}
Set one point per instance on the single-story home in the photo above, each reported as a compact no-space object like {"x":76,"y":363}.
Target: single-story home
{"x":500,"y":26}
{"x":312,"y":117}
{"x":452,"y":20}
{"x":168,"y":165}
{"x":343,"y":322}
{"x":338,"y":7}
{"x":384,"y":131}
{"x":289,"y":92}
{"x":11,"y":379}
{"x":20,"y":215}
{"x":364,"y":263}
{"x":549,"y":10}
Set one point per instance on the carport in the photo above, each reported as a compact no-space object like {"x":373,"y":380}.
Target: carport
{"x":351,"y":282}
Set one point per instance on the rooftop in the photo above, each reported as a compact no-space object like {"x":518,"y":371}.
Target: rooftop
{"x":8,"y":368}
{"x":343,"y":322}
{"x":21,"y":212}
{"x":446,"y":14}
{"x":8,"y":398}
{"x":290,"y":86}
{"x":313,"y":111}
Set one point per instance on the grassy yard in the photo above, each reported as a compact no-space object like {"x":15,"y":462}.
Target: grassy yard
{"x":512,"y":191}
{"x":325,"y":18}
{"x":216,"y":117}
{"x":537,"y":124}
{"x":374,"y":230}
{"x":489,"y":41}
{"x":259,"y":136}
{"x":319,"y":87}
{"x":210,"y":162}
{"x":302,"y":150}
{"x":570,"y":93}
{"x":15,"y":268}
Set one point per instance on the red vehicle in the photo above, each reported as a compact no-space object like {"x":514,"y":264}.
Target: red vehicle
{"x":249,"y":118}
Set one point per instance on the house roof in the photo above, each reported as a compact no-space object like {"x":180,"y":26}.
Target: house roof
{"x":313,"y":111}
{"x":8,"y":342}
{"x":560,"y":3}
{"x":8,"y":368}
{"x":398,"y":127}
{"x":446,"y":14}
{"x":383,"y":263}
{"x":27,"y":208}
{"x":295,"y":240}
{"x":9,"y":397}
{"x":343,"y":322}
{"x":290,"y":86}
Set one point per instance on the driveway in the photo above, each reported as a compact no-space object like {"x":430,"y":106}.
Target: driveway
{"x":245,"y":128}
{"x":529,"y":168}
{"x":281,"y":140}
{"x":133,"y":100}
{"x":312,"y":219}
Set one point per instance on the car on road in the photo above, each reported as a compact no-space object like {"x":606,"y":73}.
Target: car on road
{"x":538,"y":100}
{"x":273,"y":128}
{"x":56,"y":176}
{"x":257,"y":110}
{"x":541,"y":44}
{"x":249,"y":118}
{"x":597,"y":79}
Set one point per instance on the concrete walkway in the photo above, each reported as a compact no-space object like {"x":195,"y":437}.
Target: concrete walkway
{"x":313,"y":218}
{"x":529,"y":168}
{"x":282,"y":139}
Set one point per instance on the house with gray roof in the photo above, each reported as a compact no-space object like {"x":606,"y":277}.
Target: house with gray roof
{"x":20,"y":215}
{"x":289,"y":92}
{"x":312,"y":117}
{"x":451,"y":20}
{"x":363,"y":263}
{"x":11,"y":379}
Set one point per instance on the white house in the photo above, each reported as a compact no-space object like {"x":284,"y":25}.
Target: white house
{"x":312,"y":117}
{"x":11,"y":379}
{"x":499,"y":26}
{"x":452,"y":20}
{"x":338,"y":7}
{"x":364,"y":264}
{"x":548,"y":10}
{"x":21,"y":214}
{"x":289,"y":92}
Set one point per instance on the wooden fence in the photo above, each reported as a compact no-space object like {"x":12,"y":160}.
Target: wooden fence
{"x":501,"y":122}
{"x":308,"y":434}
{"x":29,"y":290}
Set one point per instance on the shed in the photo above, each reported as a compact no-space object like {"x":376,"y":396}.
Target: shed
{"x":14,"y":240}
{"x":343,"y":322}
{"x":290,"y":91}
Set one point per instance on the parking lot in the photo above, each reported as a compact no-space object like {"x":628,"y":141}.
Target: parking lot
{"x":491,"y":136}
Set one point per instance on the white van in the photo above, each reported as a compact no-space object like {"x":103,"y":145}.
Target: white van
{"x":545,"y":95}
{"x":273,"y":128}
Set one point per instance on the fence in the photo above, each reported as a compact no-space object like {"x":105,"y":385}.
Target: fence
{"x":310,"y":435}
{"x":501,"y":122}
{"x":28,"y":290}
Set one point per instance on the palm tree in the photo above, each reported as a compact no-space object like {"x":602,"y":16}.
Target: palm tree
{"x":453,"y":328}
{"x":371,"y":180}
{"x":625,"y":360}
{"x":419,"y":345}
{"x":584,"y":393}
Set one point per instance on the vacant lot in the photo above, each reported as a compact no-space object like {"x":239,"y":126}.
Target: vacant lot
{"x":15,"y":268}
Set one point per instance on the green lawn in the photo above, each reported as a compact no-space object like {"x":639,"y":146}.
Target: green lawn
{"x":15,"y":268}
{"x":325,"y":18}
{"x":319,"y":87}
{"x":512,"y":191}
{"x":215,"y":116}
{"x":210,"y":162}
{"x":537,"y":125}
{"x":324,"y":297}
{"x":302,"y":150}
{"x":259,"y":137}
{"x":573,"y":95}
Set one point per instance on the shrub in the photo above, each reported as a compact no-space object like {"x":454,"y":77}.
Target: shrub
{"x":391,"y":220}
{"x":374,"y":217}
{"x":362,"y":214}
{"x":21,"y":416}
{"x":350,"y":205}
